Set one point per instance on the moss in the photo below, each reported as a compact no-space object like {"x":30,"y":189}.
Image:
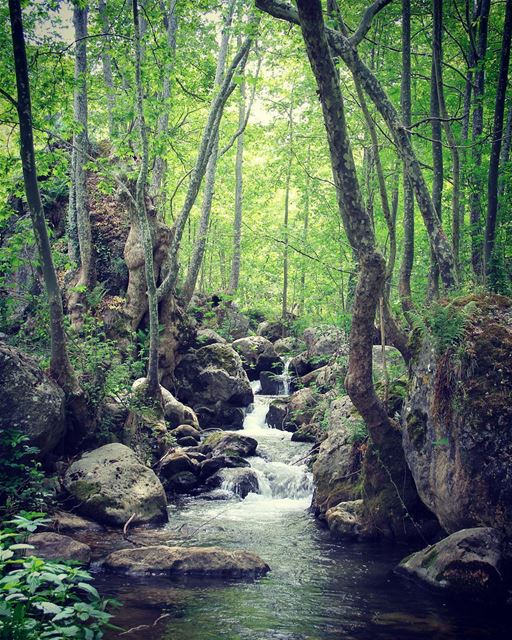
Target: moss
{"x":84,"y":490}
{"x":416,"y":426}
{"x":429,"y":558}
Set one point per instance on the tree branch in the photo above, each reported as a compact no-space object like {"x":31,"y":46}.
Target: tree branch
{"x":366,"y":21}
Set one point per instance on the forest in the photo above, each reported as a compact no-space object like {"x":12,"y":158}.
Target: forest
{"x":255,"y":319}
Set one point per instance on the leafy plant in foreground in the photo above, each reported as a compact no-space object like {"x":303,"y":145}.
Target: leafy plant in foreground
{"x":43,"y":599}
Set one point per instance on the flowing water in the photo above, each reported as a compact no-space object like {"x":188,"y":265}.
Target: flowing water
{"x":318,"y":589}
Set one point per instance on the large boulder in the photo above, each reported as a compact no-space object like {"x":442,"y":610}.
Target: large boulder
{"x":54,"y":546}
{"x":325,"y":340}
{"x":271,"y":330}
{"x":111,"y":485}
{"x":30,"y":401}
{"x":231,"y":320}
{"x":336,"y":470}
{"x":207,"y":336}
{"x":229,"y":444}
{"x":285,"y":346}
{"x":175,"y":412}
{"x":344,"y":520}
{"x":301,"y":408}
{"x":457,"y":433}
{"x":238,"y":480}
{"x":277,"y":413}
{"x":258,"y":354}
{"x":212,"y":380}
{"x":208,"y":562}
{"x":467,"y":564}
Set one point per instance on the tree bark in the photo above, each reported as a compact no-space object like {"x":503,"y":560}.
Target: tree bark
{"x":60,"y":367}
{"x":437,"y":173}
{"x":305,"y":231}
{"x":234,"y":276}
{"x":211,"y":169}
{"x":286,"y":218}
{"x":355,"y":219}
{"x":153,"y":387}
{"x":404,"y":283}
{"x":478,"y":124}
{"x":78,"y":209}
{"x":160,"y":166}
{"x":171,"y":266}
{"x":494,"y":161}
{"x":344,"y":47}
{"x":106,"y":63}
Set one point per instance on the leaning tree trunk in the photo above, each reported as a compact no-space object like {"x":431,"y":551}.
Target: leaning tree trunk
{"x":211,"y":169}
{"x":160,"y":166}
{"x":78,"y":210}
{"x":60,"y":367}
{"x":404,"y":284}
{"x":346,"y":48}
{"x":355,"y":219}
{"x":497,"y":134}
{"x":171,"y":266}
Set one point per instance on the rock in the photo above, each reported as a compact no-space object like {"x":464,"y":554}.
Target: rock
{"x":110,"y":485}
{"x":54,"y":546}
{"x":344,"y":520}
{"x":229,"y":444}
{"x":176,"y":462}
{"x":64,"y":522}
{"x":301,"y":365}
{"x":208,"y":562}
{"x":186,"y":431}
{"x":232,"y":320}
{"x":183,"y":482}
{"x":467,"y":564}
{"x":309,"y":433}
{"x":210,"y":466}
{"x":456,"y":422}
{"x":239,"y":481}
{"x":271,"y":330}
{"x":301,"y":408}
{"x":289,"y":345}
{"x":213,"y":381}
{"x":175,"y":412}
{"x":271,"y":384}
{"x":338,"y":464}
{"x":196,"y":455}
{"x":258,"y":354}
{"x":30,"y":401}
{"x":277,"y":413}
{"x":187,"y":441}
{"x":325,"y":340}
{"x":208,"y":336}
{"x":112,"y":417}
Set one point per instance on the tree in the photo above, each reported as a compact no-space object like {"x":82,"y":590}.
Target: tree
{"x":60,"y":366}
{"x":497,"y":136}
{"x":78,"y":218}
{"x":211,"y":168}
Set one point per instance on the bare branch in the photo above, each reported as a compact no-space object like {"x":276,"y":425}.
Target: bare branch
{"x":366,"y":21}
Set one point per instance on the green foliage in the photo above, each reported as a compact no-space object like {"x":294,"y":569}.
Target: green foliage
{"x":358,"y":431}
{"x":21,"y":478}
{"x":42,"y":599}
{"x":444,"y":324}
{"x":102,"y":370}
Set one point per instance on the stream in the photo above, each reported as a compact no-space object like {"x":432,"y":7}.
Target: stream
{"x":318,"y":589}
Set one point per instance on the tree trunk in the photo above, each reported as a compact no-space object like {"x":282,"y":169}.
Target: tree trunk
{"x":234,"y":276}
{"x":153,"y":387}
{"x":305,"y":231}
{"x":160,"y":166}
{"x":494,"y":161}
{"x":356,"y":221}
{"x":78,"y":210}
{"x":286,"y":218}
{"x":60,"y":367}
{"x":404,"y":284}
{"x":171,"y":266}
{"x":437,"y":172}
{"x":211,"y":169}
{"x":452,"y":143}
{"x":478,"y":125}
{"x":345,"y":48}
{"x":106,"y":62}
